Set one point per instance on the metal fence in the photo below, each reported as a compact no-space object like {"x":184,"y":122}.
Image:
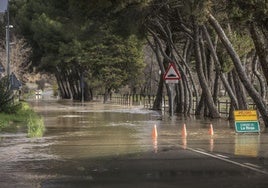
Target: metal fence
{"x":147,"y":102}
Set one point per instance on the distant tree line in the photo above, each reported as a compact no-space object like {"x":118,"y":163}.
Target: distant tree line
{"x":215,"y":44}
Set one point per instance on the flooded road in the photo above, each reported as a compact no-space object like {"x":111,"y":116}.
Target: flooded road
{"x":97,"y":145}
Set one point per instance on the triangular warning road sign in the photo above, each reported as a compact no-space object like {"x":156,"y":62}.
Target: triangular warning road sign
{"x":172,"y":73}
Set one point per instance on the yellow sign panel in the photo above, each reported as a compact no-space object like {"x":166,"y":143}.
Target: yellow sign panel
{"x":245,"y":115}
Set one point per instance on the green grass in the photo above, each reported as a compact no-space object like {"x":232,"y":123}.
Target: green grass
{"x":35,"y":125}
{"x":25,"y":119}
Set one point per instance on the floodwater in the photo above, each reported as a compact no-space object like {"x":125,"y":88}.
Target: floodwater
{"x":80,"y":136}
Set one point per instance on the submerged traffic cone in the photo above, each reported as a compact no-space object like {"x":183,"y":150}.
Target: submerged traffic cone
{"x":211,"y":131}
{"x":184,"y":142}
{"x":184,"y":131}
{"x":155,"y":145}
{"x":154,"y":132}
{"x":211,"y":144}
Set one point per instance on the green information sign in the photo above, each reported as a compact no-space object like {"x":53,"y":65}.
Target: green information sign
{"x":247,"y":126}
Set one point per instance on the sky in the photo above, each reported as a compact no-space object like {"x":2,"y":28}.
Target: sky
{"x":3,"y":5}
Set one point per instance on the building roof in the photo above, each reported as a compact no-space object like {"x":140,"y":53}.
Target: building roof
{"x":15,"y":83}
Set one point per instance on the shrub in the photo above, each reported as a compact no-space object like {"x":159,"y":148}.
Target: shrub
{"x":24,"y":118}
{"x":7,"y":104}
{"x":35,"y":123}
{"x":35,"y":126}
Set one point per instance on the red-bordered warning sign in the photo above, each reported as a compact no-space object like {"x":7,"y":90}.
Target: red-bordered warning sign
{"x":172,"y":75}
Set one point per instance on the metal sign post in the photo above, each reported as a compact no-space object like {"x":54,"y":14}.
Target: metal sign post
{"x":172,"y":77}
{"x":171,"y":85}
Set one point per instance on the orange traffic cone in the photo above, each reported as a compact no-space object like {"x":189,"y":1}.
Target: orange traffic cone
{"x":211,"y":131}
{"x":154,"y":132}
{"x":184,"y":131}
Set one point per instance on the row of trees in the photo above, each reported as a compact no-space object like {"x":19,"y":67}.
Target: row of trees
{"x":214,"y":43}
{"x":217,"y":41}
{"x":81,"y":44}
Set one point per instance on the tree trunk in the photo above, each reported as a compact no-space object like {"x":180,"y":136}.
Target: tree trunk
{"x":261,"y":46}
{"x":240,"y":92}
{"x":171,"y":57}
{"x":218,"y":67}
{"x":180,"y":102}
{"x":186,"y":73}
{"x":232,"y":104}
{"x":259,"y":76}
{"x":62,"y":84}
{"x":164,"y":66}
{"x":200,"y":105}
{"x":216,"y":87}
{"x":260,"y":103}
{"x":159,"y":95}
{"x":106,"y":95}
{"x":213,"y":111}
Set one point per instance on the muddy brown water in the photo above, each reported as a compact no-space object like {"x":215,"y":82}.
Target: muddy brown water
{"x":95,"y":132}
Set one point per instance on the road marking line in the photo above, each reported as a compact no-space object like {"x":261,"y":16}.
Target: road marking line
{"x":253,"y":165}
{"x":229,"y":161}
{"x":200,"y":149}
{"x":223,"y":156}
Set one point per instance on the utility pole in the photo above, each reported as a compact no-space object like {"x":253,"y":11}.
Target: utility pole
{"x":8,"y":48}
{"x":4,"y":8}
{"x":8,"y":26}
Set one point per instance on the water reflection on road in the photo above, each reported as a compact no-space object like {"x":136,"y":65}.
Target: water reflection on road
{"x":97,"y":130}
{"x":76,"y":132}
